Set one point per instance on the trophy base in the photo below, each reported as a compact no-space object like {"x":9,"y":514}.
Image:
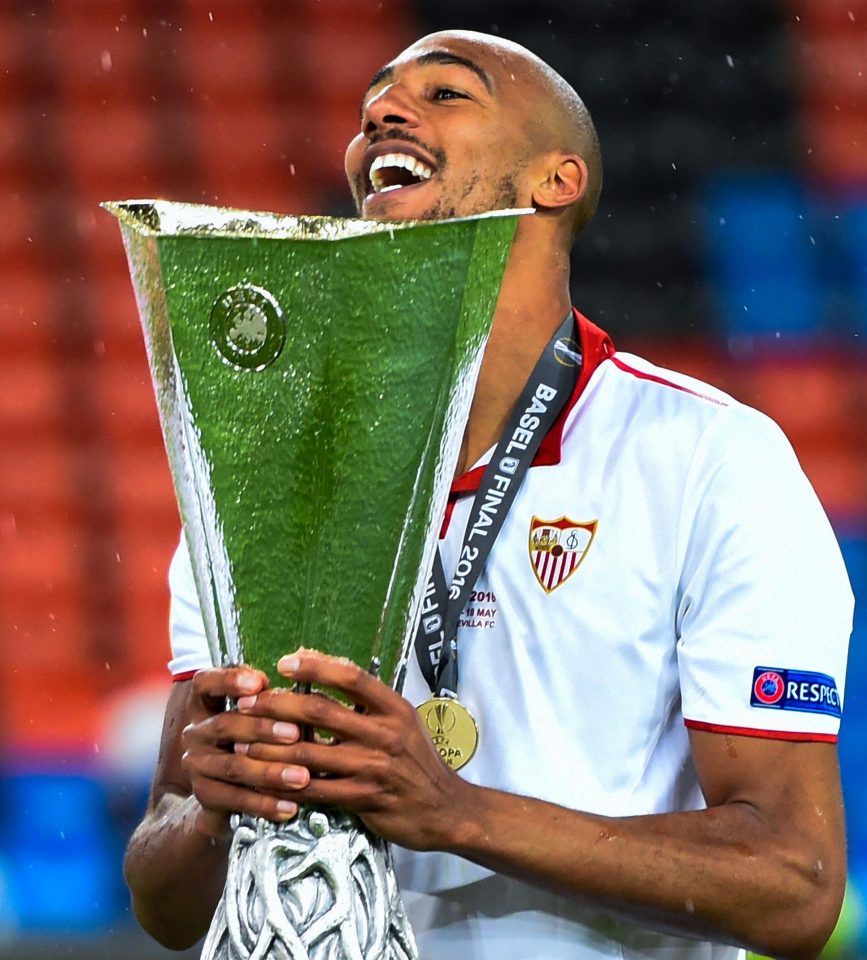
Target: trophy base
{"x":319,"y":887}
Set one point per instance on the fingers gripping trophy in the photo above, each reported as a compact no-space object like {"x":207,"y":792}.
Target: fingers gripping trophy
{"x":313,"y":378}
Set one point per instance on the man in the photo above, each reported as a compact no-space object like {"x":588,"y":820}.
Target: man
{"x":656,"y":774}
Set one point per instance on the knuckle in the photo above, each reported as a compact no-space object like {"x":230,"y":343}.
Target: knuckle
{"x":379,"y":772}
{"x":354,"y":678}
{"x":231,"y":769}
{"x":318,"y":709}
{"x":393,"y":741}
{"x":221,"y":725}
{"x":263,"y":729}
{"x":303,"y":756}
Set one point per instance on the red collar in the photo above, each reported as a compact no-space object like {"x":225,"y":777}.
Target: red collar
{"x":596,"y":346}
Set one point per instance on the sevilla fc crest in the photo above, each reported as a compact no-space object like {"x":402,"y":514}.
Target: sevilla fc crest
{"x":557,"y":548}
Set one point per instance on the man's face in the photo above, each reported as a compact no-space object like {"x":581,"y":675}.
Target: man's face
{"x":443,"y":134}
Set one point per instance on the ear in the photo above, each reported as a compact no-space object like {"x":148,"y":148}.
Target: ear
{"x":565,"y":182}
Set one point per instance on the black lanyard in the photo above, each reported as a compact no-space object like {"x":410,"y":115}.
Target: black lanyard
{"x":551,"y":383}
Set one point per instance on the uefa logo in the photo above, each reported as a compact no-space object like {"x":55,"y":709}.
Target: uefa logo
{"x":567,"y":352}
{"x":769,"y":687}
{"x":247,"y":327}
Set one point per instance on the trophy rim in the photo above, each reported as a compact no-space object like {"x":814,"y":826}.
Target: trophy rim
{"x":154,"y":217}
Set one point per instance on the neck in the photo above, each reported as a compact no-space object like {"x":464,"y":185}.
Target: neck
{"x":534,"y":298}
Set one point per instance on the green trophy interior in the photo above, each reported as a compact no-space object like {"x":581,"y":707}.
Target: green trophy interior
{"x":320,"y":370}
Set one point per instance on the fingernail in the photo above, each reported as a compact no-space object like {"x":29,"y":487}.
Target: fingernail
{"x":248,"y":683}
{"x":297,"y":776}
{"x":242,"y":747}
{"x":286,"y":810}
{"x":246,"y":703}
{"x":289,"y":663}
{"x":285,"y":731}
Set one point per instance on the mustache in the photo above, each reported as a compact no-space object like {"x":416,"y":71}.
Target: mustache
{"x":398,"y":133}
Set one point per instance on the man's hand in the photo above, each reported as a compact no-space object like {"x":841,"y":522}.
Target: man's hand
{"x":223,"y":780}
{"x":381,"y":763}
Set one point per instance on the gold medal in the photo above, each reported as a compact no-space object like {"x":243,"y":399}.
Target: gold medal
{"x":452,"y":729}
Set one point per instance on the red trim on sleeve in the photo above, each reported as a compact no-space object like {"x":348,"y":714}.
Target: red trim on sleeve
{"x":762,"y":734}
{"x":186,"y":675}
{"x":596,"y":346}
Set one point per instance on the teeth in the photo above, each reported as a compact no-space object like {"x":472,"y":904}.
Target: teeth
{"x":416,"y":167}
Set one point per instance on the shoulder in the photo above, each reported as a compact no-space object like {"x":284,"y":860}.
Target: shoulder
{"x":636,"y":373}
{"x":678,"y":416}
{"x":643,"y":392}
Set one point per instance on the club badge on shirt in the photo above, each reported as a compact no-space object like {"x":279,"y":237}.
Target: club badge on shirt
{"x":557,"y":548}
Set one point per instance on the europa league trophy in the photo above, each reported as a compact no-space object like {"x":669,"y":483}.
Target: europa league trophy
{"x":313,"y":378}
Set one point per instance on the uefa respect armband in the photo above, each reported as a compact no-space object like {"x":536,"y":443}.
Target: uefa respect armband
{"x":776,"y":688}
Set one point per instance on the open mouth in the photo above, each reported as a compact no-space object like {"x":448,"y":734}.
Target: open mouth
{"x":393,"y":171}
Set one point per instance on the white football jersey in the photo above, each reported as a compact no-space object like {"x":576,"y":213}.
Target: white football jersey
{"x":665,"y":565}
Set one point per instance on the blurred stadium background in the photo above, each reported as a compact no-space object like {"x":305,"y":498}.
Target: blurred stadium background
{"x":731,"y":243}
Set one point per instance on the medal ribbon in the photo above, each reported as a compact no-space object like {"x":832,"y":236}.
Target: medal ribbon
{"x":550,"y":385}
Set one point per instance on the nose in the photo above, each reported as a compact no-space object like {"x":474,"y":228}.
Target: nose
{"x":389,"y":108}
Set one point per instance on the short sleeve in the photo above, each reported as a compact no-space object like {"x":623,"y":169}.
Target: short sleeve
{"x":764,"y":604}
{"x":190,"y":651}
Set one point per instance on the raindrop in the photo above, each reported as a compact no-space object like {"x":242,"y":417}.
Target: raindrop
{"x":690,"y":906}
{"x":729,"y":60}
{"x":105,"y":60}
{"x":851,"y":16}
{"x":211,"y":15}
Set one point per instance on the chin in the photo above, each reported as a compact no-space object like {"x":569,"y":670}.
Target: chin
{"x":391,"y":211}
{"x":416,"y":202}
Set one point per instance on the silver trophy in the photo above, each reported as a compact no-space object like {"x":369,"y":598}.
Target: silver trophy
{"x":313,"y":378}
